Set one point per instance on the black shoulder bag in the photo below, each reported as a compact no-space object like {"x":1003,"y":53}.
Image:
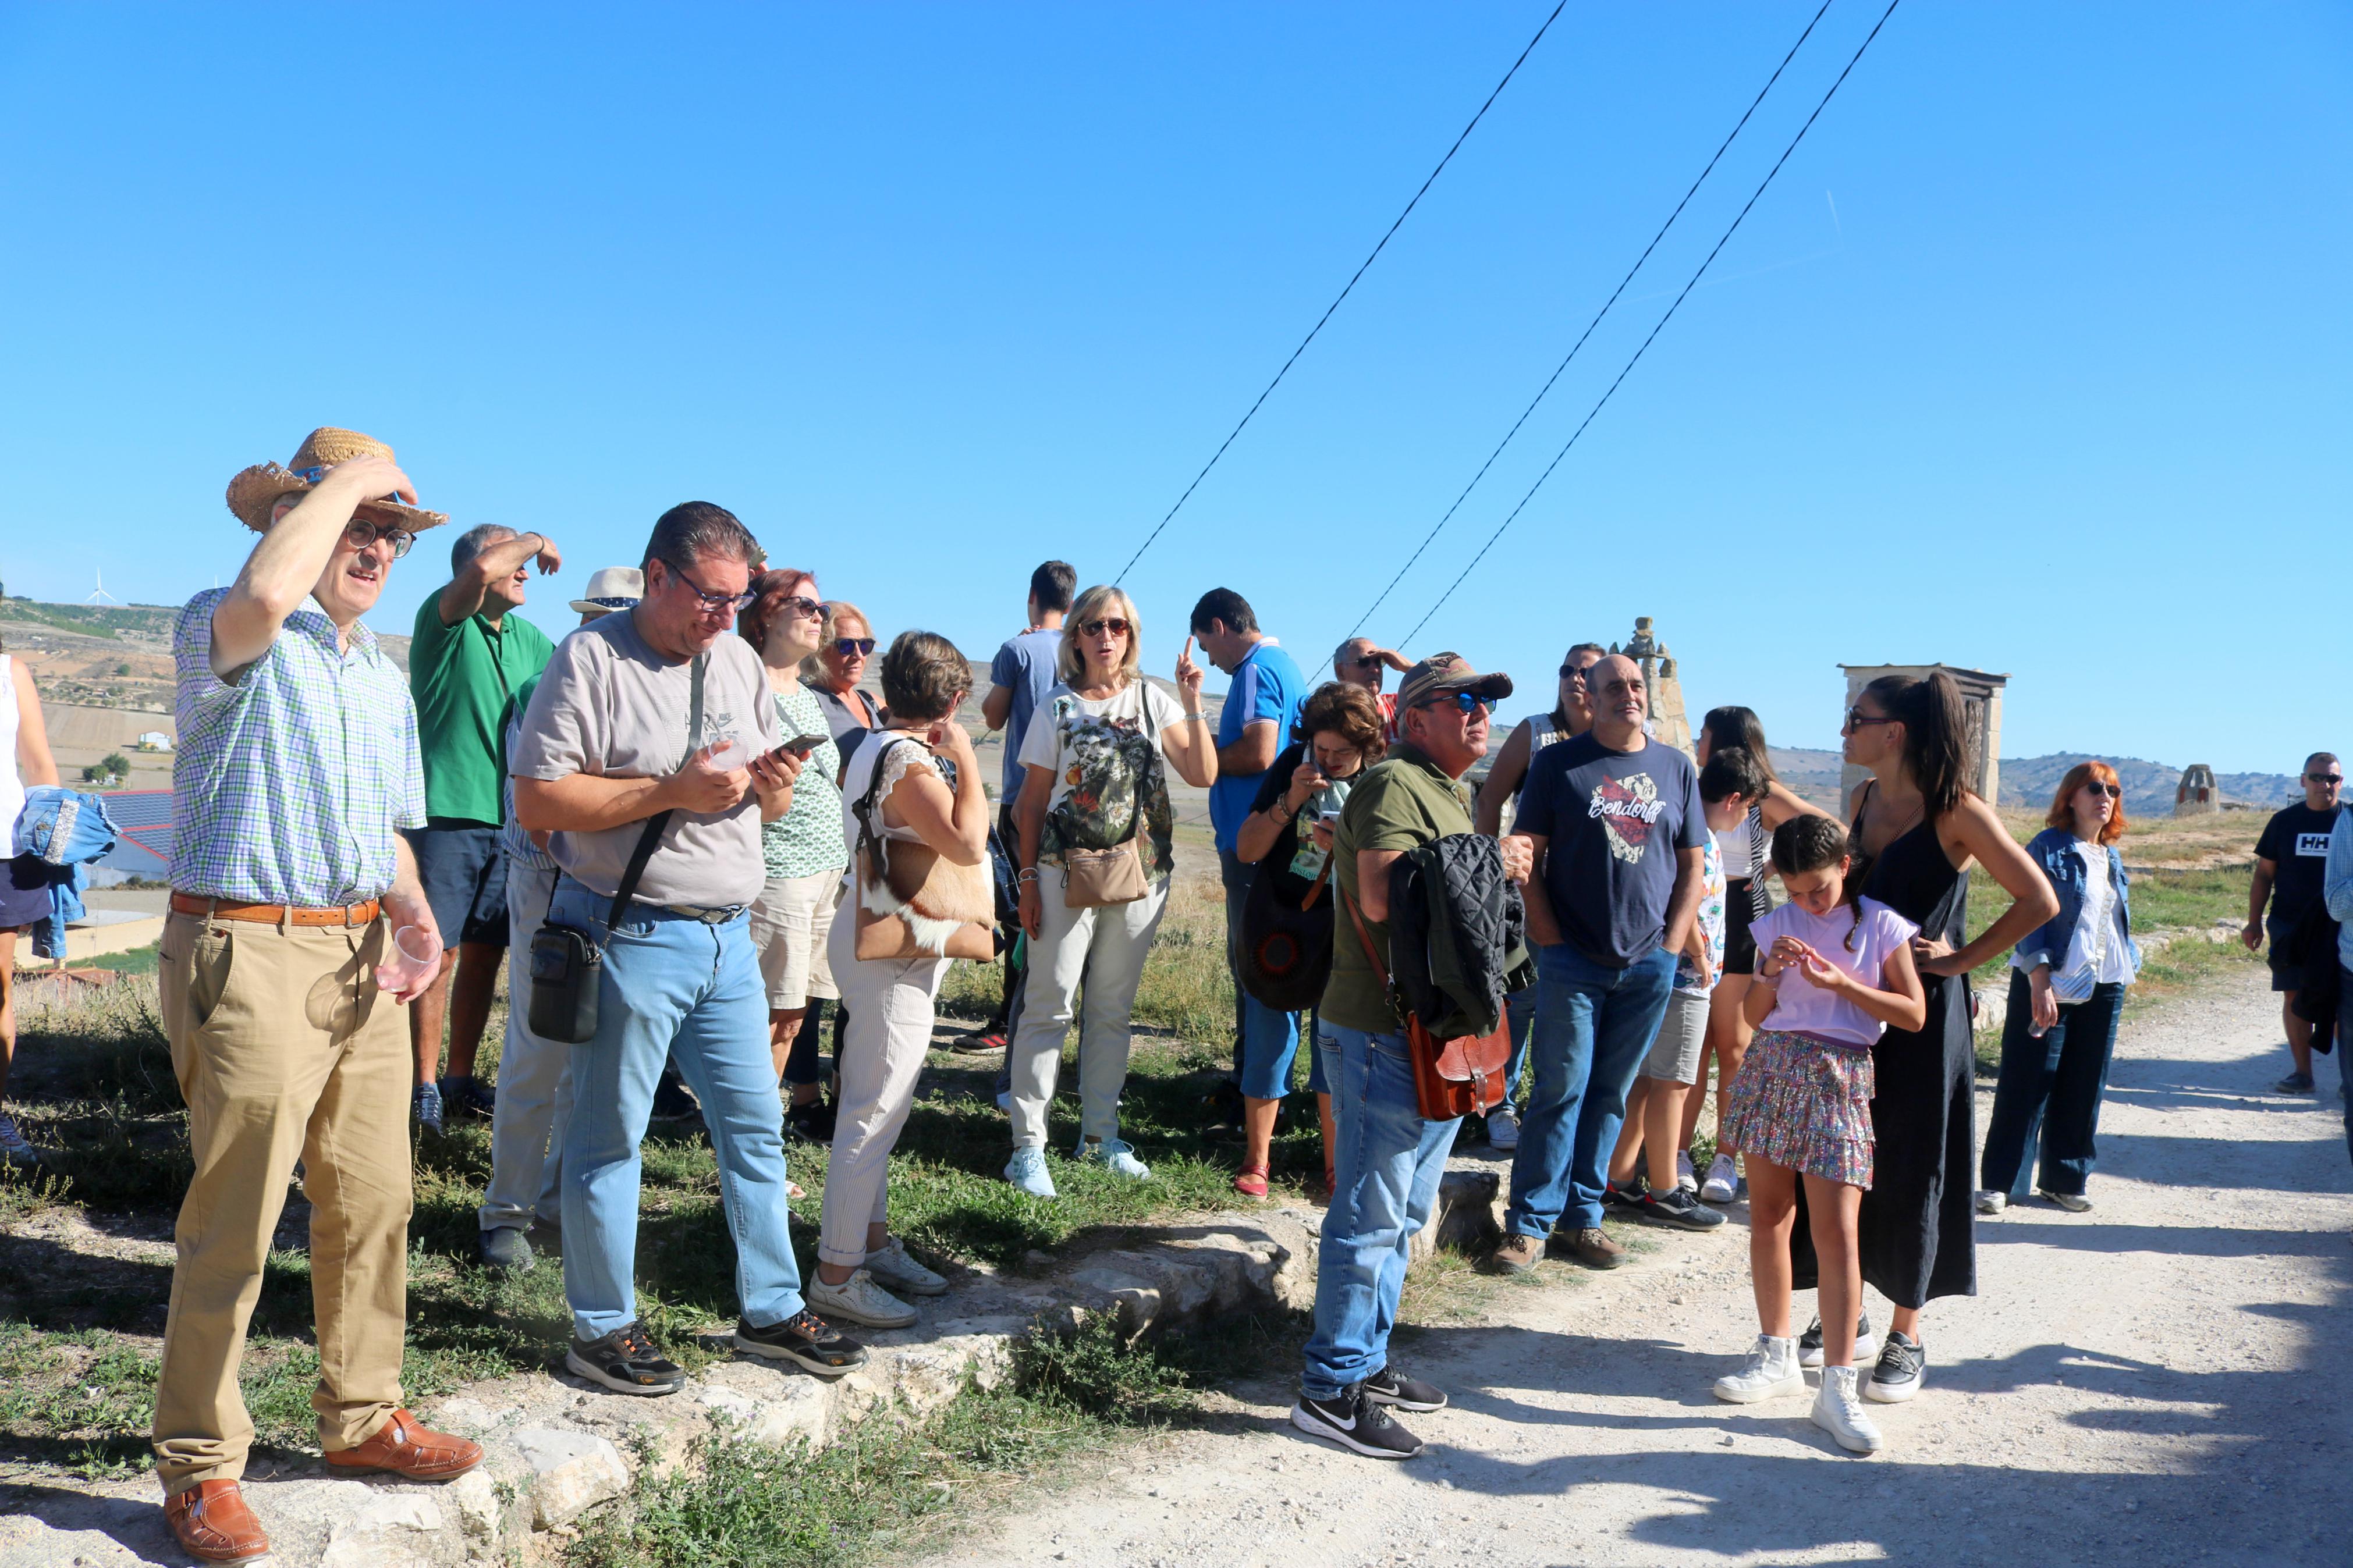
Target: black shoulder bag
{"x":567,"y":963}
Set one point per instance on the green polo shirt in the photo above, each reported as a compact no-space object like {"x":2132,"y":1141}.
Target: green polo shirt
{"x":1403,"y":804}
{"x":463,"y":677}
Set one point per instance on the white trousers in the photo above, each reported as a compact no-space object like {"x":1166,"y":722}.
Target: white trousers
{"x":534,"y":1080}
{"x":1103,"y":950}
{"x":890,"y":1004}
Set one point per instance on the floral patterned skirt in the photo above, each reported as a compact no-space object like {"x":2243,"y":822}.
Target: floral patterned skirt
{"x":1804,"y":1103}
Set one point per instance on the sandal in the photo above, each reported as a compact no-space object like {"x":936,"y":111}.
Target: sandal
{"x":1252,"y":1182}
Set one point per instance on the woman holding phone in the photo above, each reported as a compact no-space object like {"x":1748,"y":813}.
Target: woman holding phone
{"x":804,"y":849}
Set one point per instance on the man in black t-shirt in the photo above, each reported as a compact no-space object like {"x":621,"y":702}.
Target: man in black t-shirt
{"x":2289,"y":860}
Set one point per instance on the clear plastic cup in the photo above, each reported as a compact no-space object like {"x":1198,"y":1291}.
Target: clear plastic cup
{"x":728,"y":753}
{"x":416,"y":954}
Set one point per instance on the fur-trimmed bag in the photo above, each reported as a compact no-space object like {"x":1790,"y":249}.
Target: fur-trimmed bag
{"x":912,"y":900}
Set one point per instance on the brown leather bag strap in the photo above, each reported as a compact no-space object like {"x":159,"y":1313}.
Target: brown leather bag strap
{"x":1356,"y":919}
{"x":1315,"y":889}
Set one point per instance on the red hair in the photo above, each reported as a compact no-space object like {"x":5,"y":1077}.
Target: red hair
{"x":769,"y":589}
{"x":2062,"y":805}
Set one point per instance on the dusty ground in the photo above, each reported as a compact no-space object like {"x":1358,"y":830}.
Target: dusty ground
{"x":2160,"y":1379}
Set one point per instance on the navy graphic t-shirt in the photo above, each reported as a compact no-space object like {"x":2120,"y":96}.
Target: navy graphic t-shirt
{"x":1614,"y":821}
{"x":2296,"y":840}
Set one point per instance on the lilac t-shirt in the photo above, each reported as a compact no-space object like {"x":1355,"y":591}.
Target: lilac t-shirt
{"x":1803,"y":1008}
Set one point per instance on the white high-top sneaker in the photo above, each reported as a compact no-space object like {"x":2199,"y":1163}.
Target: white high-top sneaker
{"x":1770,"y":1373}
{"x":1838,"y":1412}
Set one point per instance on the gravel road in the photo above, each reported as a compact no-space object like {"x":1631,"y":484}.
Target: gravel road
{"x":2154,"y":1380}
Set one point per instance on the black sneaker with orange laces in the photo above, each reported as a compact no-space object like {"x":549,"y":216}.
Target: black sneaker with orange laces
{"x":626,"y":1361}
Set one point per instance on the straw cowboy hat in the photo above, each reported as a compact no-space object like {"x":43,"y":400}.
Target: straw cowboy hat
{"x":612,"y":588}
{"x":254,"y":492}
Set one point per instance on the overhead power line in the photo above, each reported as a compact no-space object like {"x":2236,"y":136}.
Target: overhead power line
{"x":1557,"y":370}
{"x":1679,"y":298}
{"x":1344,"y":293}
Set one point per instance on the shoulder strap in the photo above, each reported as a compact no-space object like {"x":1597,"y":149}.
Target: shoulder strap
{"x":863,"y":810}
{"x":1381,"y":970}
{"x":660,"y":819}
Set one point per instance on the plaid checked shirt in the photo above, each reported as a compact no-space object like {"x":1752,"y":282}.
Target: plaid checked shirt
{"x":288,"y":783}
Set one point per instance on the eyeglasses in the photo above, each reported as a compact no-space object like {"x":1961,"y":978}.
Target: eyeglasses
{"x":801,"y":604}
{"x":713,"y":603}
{"x":1464,"y":701}
{"x":854,"y":648}
{"x":359,"y":535}
{"x":1115,"y":624}
{"x":1856,"y":719}
{"x":2325,"y":778}
{"x":2097,"y":787}
{"x":1574,"y":671}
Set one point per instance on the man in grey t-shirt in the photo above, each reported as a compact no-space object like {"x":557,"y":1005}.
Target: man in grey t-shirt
{"x":619,"y":734}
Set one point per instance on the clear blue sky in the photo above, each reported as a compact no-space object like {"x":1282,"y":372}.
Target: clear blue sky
{"x":2033,"y":359}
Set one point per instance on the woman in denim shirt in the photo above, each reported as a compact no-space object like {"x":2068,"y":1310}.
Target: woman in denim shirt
{"x":2066,"y":990}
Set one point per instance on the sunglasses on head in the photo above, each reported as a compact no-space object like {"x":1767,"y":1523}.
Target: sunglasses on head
{"x":1464,"y":701}
{"x":2114,"y":791}
{"x":854,"y":648}
{"x":1115,"y":624}
{"x":359,"y":535}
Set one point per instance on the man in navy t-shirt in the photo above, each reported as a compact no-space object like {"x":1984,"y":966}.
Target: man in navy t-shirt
{"x":1261,"y":705}
{"x":2288,"y":861}
{"x":1618,"y":830}
{"x":1020,"y":677}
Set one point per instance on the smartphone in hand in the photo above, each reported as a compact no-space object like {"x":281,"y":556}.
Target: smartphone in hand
{"x":799,"y":746}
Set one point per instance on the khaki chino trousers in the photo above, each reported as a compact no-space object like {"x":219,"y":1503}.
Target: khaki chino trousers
{"x":283,"y":1048}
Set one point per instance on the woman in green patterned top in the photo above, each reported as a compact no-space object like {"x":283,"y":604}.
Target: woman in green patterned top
{"x":804,"y":849}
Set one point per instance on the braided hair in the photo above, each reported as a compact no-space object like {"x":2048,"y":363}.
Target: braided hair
{"x":1810,"y":843}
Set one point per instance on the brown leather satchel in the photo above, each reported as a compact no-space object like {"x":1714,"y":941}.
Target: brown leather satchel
{"x":914,"y":901}
{"x":1452,"y":1078}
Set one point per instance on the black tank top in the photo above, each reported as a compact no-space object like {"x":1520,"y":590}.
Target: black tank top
{"x":1913,"y":877}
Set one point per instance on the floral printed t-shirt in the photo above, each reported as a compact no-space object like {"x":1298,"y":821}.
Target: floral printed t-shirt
{"x":1711,"y":922}
{"x":807,"y":839}
{"x":1107,"y":763}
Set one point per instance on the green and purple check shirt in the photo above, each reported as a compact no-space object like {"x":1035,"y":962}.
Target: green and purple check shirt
{"x":289,"y":781}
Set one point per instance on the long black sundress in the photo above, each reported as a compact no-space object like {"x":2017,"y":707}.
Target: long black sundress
{"x":1917,"y":1231}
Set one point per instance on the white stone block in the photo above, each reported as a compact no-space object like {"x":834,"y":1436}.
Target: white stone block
{"x":572,"y":1472}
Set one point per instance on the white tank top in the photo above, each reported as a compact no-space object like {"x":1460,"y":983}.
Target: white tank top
{"x":1542,"y":732}
{"x":1732,"y":844}
{"x":12,"y":788}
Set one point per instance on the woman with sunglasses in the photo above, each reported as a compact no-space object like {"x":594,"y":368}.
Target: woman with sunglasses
{"x":804,"y":850}
{"x":1094,"y":780}
{"x":845,"y":643}
{"x":2067,"y":983}
{"x":1917,"y":828}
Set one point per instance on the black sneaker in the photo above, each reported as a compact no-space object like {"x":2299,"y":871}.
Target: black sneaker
{"x":1679,"y":1208}
{"x":2293,"y":1083}
{"x":1809,"y":1343}
{"x":1627,"y":1198}
{"x":807,"y":1340}
{"x":673,"y":1103}
{"x":1393,"y":1388}
{"x":468,"y":1098}
{"x":626,"y":1361}
{"x":1356,"y":1423}
{"x":812,"y":1123}
{"x":424,"y":1106}
{"x":986,"y":1040}
{"x":1903,"y":1368}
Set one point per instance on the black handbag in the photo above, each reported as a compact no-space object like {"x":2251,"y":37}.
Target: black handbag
{"x":567,"y":963}
{"x":1286,"y":947}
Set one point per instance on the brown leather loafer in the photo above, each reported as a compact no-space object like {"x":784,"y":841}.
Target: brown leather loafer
{"x":212,"y":1523}
{"x":404,"y":1447}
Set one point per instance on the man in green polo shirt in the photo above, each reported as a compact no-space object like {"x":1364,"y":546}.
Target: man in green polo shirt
{"x":471,"y":655}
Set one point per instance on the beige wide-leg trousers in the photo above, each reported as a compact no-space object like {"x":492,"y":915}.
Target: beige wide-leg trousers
{"x":283,"y":1048}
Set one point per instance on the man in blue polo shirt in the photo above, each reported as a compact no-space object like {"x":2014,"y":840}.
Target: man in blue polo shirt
{"x":1261,"y":707}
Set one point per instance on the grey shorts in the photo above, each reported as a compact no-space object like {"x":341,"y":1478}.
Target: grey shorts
{"x":1674,"y":1053}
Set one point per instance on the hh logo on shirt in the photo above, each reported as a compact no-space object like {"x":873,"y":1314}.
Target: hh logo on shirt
{"x":2312,"y":844}
{"x":1628,"y":809}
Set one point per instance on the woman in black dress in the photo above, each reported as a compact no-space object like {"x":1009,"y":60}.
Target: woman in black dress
{"x":1918,"y":827}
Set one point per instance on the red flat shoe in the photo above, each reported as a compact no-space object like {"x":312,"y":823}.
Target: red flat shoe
{"x":1252,"y":1182}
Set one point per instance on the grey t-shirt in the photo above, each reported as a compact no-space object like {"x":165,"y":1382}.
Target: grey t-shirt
{"x":610,"y":705}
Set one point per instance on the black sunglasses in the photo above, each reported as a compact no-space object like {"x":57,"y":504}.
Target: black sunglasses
{"x":1856,"y":719}
{"x":1115,"y":624}
{"x":854,"y":648}
{"x":2325,"y":778}
{"x":2097,"y":787}
{"x":1464,"y":701}
{"x":1574,"y":671}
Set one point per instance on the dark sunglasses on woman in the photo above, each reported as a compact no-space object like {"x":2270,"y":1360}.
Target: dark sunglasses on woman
{"x":1115,"y":624}
{"x":2097,"y":787}
{"x":854,"y":648}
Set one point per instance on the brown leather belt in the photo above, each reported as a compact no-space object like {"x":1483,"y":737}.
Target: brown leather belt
{"x":274,"y":914}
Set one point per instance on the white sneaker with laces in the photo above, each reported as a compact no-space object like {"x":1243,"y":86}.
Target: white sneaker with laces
{"x":859,"y":1300}
{"x":1502,"y":1126}
{"x":1722,"y":1183}
{"x":1992,"y":1203}
{"x":1770,"y":1373}
{"x":894,"y":1269}
{"x":1116,"y":1156}
{"x":1685,"y":1177}
{"x":1840,"y":1413}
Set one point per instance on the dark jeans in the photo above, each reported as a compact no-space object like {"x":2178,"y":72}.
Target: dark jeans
{"x":2345,"y":1049}
{"x":800,"y":1062}
{"x":2050,"y":1087}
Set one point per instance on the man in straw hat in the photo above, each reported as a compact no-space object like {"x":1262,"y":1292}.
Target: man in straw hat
{"x":472,"y":652}
{"x":298,"y":764}
{"x":1387,"y":1161}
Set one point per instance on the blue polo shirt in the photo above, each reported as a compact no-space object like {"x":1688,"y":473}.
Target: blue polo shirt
{"x":1267,"y":685}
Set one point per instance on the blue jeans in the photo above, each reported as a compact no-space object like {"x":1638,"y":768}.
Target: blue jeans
{"x":1386,"y":1165}
{"x":1519,"y":1017}
{"x":2050,"y":1093}
{"x":671,"y":986}
{"x":1594,"y":1025}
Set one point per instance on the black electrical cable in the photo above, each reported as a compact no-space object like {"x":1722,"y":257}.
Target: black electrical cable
{"x":1335,"y":305}
{"x":1664,"y":319}
{"x":1590,"y":325}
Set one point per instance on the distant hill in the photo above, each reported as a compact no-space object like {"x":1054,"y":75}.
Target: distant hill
{"x":93,"y":620}
{"x":2029,"y":781}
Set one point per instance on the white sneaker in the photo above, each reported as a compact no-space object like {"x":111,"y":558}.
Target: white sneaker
{"x":1722,"y":1183}
{"x":1502,"y":1126}
{"x":1115,"y":1156}
{"x":859,"y":1300}
{"x":893,"y":1268}
{"x":1992,"y":1203}
{"x":1838,"y":1412}
{"x":1770,"y":1373}
{"x":1685,"y":1177}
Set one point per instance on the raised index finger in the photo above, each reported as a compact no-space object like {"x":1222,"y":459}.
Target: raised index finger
{"x":1187,"y":656}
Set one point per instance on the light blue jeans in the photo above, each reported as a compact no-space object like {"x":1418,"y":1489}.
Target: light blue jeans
{"x":671,"y":986}
{"x":535,"y":1101}
{"x":1594,"y":1025}
{"x":1386,"y":1165}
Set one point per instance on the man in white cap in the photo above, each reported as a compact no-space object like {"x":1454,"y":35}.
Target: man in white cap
{"x":298,"y":765}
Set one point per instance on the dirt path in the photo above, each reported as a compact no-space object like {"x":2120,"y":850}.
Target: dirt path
{"x":2156,"y":1380}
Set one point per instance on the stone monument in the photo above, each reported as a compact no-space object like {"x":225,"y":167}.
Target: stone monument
{"x":1668,"y":721}
{"x":2198,"y":794}
{"x":1981,"y":698}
